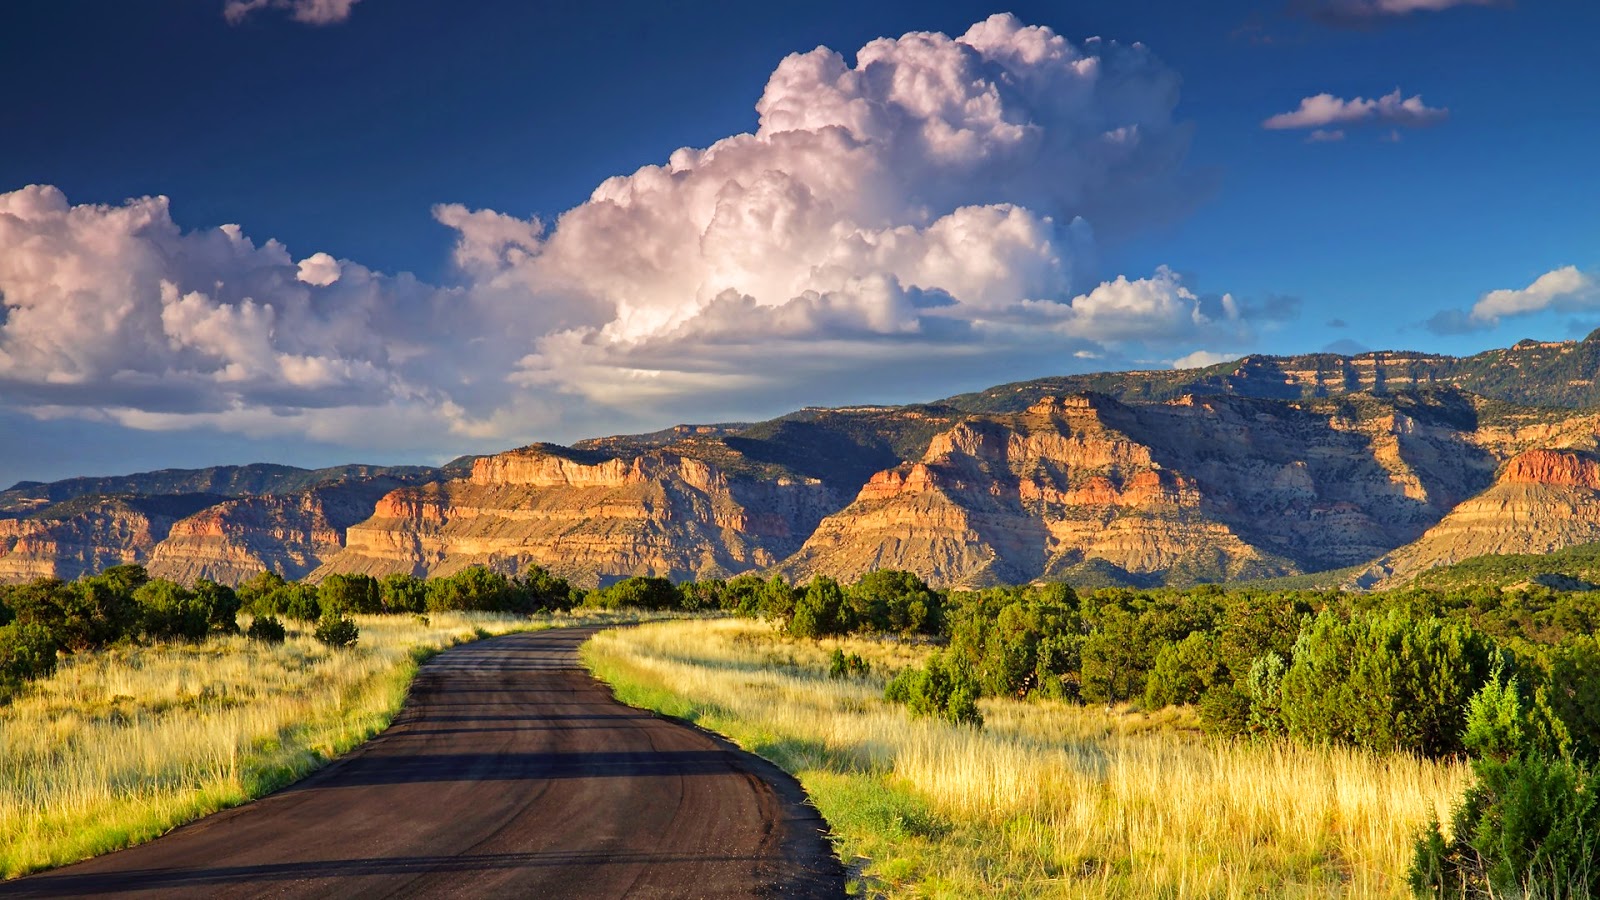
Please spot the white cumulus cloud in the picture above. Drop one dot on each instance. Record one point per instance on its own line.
(915, 221)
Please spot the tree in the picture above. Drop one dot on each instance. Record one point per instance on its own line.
(474, 588)
(637, 593)
(266, 629)
(544, 591)
(170, 611)
(890, 601)
(821, 610)
(221, 604)
(1385, 681)
(350, 594)
(27, 651)
(402, 592)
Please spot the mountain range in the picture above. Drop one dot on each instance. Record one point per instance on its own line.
(1382, 465)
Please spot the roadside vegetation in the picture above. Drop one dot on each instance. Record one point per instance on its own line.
(1028, 741)
(130, 705)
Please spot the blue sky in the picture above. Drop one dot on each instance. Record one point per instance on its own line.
(138, 336)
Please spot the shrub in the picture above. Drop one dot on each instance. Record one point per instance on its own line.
(297, 601)
(821, 610)
(342, 594)
(266, 629)
(1385, 681)
(637, 593)
(1020, 643)
(474, 588)
(27, 651)
(1574, 693)
(841, 665)
(889, 601)
(1530, 827)
(337, 631)
(1184, 671)
(170, 611)
(543, 591)
(401, 593)
(939, 690)
(221, 605)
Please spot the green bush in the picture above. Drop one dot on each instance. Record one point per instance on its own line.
(27, 651)
(940, 690)
(341, 594)
(822, 610)
(637, 593)
(889, 601)
(543, 591)
(337, 631)
(221, 605)
(266, 629)
(1385, 681)
(852, 665)
(403, 593)
(169, 611)
(1574, 693)
(1019, 643)
(1184, 672)
(1530, 827)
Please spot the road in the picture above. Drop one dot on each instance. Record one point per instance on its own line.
(510, 773)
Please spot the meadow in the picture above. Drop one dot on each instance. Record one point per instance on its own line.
(122, 744)
(1048, 798)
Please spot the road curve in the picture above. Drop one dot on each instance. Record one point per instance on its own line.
(510, 773)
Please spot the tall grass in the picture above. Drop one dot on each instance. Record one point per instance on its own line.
(1047, 799)
(122, 745)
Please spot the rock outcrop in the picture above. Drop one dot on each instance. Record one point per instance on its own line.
(1018, 498)
(1543, 500)
(288, 534)
(88, 536)
(590, 519)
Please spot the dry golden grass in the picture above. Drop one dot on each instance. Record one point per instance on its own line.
(122, 745)
(1048, 799)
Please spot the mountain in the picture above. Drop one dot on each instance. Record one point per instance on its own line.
(1542, 501)
(1386, 464)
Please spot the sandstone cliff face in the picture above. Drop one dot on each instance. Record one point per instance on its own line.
(1018, 498)
(592, 521)
(290, 534)
(87, 537)
(1543, 500)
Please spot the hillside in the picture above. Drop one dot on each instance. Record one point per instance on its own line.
(1387, 464)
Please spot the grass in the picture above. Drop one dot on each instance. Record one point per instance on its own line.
(1047, 799)
(122, 745)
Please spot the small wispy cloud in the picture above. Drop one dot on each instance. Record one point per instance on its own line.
(1369, 12)
(308, 12)
(1325, 113)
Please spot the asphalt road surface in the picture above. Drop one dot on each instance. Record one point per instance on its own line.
(510, 773)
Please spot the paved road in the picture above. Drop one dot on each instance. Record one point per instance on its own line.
(510, 773)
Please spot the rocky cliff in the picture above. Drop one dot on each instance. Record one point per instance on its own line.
(1543, 500)
(291, 534)
(87, 535)
(589, 518)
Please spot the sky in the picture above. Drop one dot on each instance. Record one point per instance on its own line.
(397, 231)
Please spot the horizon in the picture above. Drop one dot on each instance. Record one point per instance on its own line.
(438, 255)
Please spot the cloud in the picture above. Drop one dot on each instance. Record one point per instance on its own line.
(308, 12)
(906, 225)
(1366, 12)
(1567, 289)
(1324, 110)
(1200, 359)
